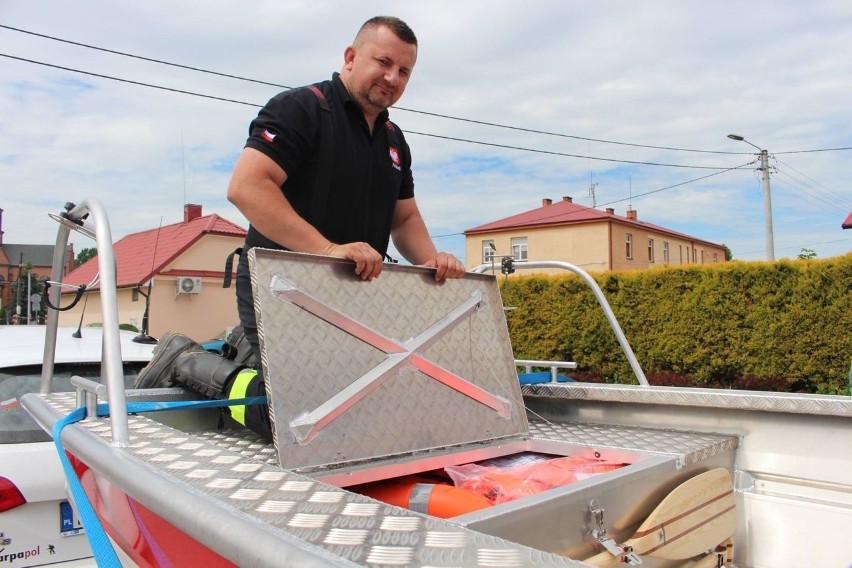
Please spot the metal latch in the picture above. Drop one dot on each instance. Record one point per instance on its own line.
(624, 553)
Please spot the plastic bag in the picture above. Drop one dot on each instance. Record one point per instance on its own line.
(507, 481)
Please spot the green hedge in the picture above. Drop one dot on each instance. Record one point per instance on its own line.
(780, 326)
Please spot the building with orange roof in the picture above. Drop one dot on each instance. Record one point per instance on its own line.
(592, 239)
(179, 267)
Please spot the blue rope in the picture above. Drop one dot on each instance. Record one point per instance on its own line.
(104, 553)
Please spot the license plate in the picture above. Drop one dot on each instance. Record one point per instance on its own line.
(69, 523)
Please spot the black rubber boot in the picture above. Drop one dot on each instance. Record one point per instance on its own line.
(160, 372)
(237, 348)
(206, 373)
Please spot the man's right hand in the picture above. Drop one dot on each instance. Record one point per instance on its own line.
(368, 262)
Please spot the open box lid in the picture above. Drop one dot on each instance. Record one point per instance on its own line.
(361, 370)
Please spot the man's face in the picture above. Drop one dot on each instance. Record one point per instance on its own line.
(377, 68)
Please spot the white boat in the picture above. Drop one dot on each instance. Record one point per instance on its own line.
(401, 378)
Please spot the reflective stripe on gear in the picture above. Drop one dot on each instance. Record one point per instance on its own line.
(238, 390)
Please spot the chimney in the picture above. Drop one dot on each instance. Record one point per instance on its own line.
(631, 214)
(70, 260)
(545, 202)
(568, 199)
(610, 210)
(191, 211)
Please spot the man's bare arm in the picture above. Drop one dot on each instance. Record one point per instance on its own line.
(255, 189)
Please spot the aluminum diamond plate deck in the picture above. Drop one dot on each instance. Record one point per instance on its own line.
(825, 405)
(342, 524)
(686, 447)
(358, 370)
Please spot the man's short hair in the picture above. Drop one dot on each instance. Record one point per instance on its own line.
(397, 26)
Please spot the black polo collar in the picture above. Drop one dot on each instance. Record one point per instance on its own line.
(346, 99)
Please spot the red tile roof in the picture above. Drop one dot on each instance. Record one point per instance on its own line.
(135, 254)
(567, 213)
(558, 213)
(847, 224)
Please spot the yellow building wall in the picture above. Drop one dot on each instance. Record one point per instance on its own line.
(583, 245)
(648, 255)
(200, 316)
(595, 247)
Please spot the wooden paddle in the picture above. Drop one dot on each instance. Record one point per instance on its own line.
(696, 516)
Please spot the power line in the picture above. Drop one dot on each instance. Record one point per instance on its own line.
(815, 193)
(138, 83)
(614, 201)
(152, 60)
(818, 187)
(563, 154)
(817, 150)
(794, 246)
(656, 190)
(185, 92)
(426, 113)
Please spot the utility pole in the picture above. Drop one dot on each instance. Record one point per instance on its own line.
(767, 198)
(767, 206)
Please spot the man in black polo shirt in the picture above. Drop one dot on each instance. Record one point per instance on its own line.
(370, 197)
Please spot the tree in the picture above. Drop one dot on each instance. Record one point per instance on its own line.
(807, 254)
(27, 286)
(85, 255)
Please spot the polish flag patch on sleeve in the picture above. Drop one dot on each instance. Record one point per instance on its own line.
(268, 136)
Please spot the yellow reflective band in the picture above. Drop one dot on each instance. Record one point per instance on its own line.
(238, 390)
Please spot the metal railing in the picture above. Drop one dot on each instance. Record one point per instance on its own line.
(76, 217)
(552, 366)
(610, 316)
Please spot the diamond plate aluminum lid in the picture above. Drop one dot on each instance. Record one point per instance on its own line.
(361, 370)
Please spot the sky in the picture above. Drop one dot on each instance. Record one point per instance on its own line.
(615, 103)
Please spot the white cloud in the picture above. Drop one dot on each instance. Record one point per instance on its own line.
(670, 73)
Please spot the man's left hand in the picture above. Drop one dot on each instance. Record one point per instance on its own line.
(446, 266)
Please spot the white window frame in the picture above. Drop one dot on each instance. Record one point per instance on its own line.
(650, 250)
(665, 252)
(628, 242)
(520, 250)
(489, 251)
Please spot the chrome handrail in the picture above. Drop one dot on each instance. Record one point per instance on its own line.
(112, 371)
(610, 316)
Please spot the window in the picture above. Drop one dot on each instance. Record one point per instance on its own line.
(715, 257)
(519, 248)
(489, 251)
(665, 252)
(650, 250)
(628, 242)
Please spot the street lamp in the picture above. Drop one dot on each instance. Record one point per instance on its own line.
(767, 198)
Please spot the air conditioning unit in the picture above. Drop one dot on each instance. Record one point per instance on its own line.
(188, 285)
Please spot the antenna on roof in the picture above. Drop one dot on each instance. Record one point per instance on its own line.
(592, 184)
(183, 166)
(143, 336)
(630, 201)
(79, 333)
